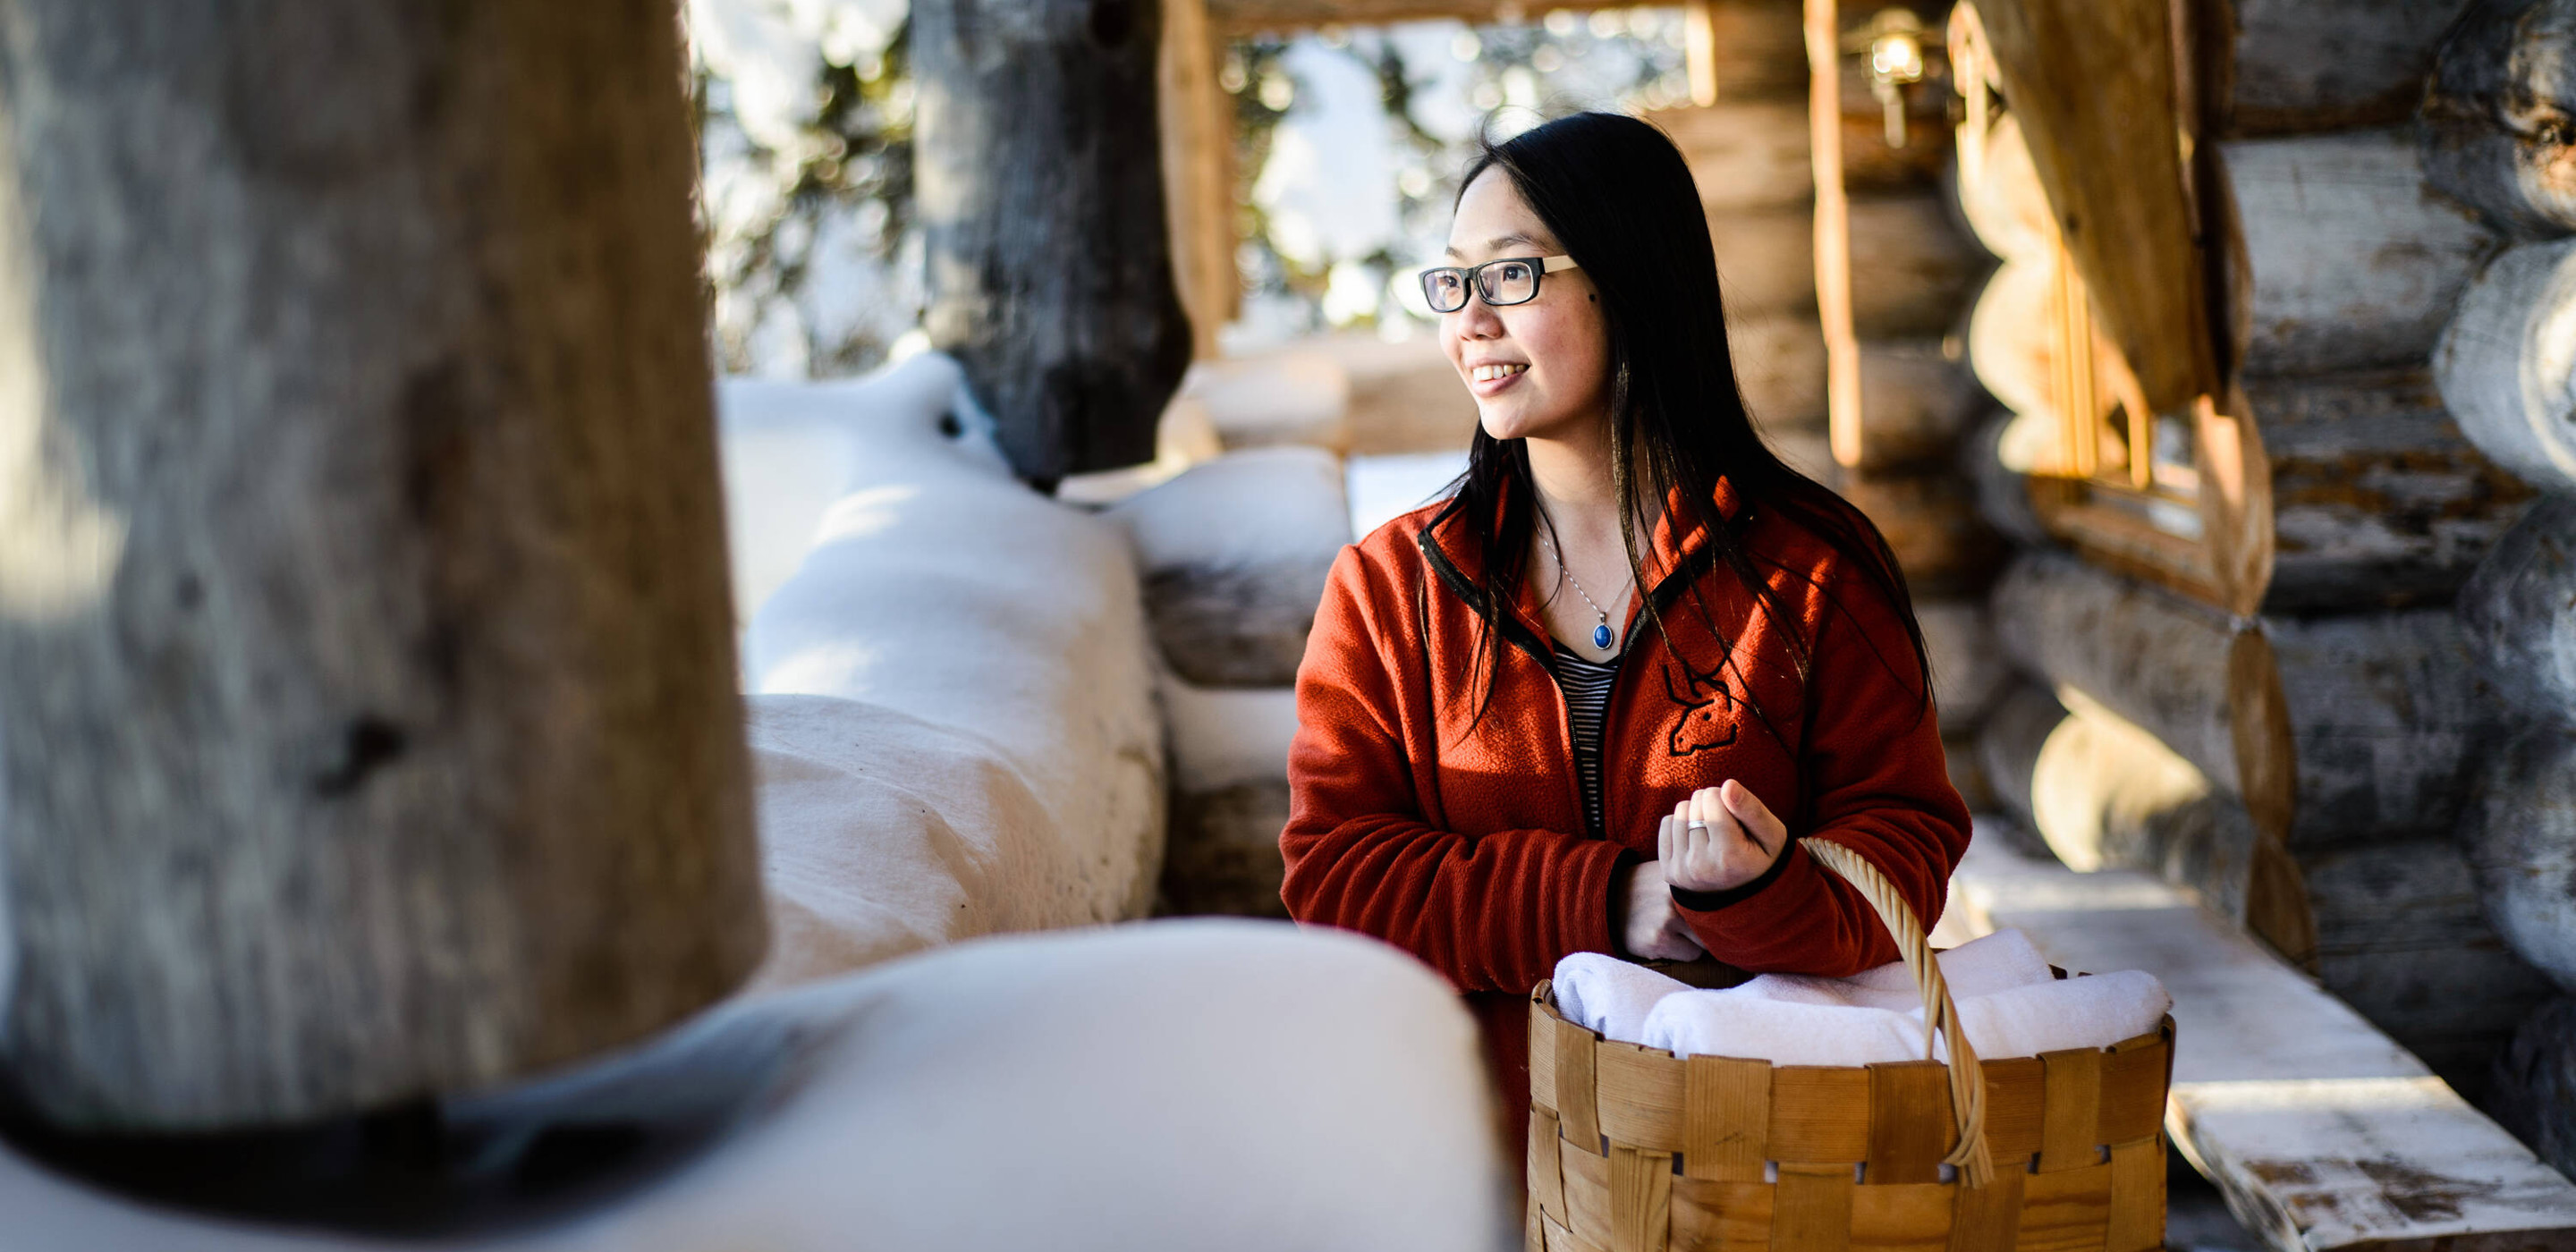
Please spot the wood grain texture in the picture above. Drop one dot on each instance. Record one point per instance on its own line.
(1832, 230)
(2499, 128)
(1042, 206)
(2378, 500)
(363, 618)
(2354, 263)
(2514, 609)
(2099, 115)
(2501, 371)
(1197, 127)
(2307, 65)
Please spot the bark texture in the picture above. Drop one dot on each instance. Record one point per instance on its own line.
(1042, 204)
(2517, 611)
(372, 726)
(2500, 115)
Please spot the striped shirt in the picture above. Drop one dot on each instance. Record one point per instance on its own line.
(1587, 707)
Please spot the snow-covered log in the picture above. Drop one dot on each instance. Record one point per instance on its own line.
(987, 638)
(2507, 364)
(2516, 610)
(1234, 554)
(2496, 116)
(1200, 1084)
(2331, 730)
(2355, 261)
(2378, 501)
(1298, 396)
(1229, 797)
(1042, 207)
(372, 721)
(2520, 834)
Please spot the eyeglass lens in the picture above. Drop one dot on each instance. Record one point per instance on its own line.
(1500, 282)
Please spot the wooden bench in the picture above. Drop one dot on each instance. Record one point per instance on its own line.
(2321, 1132)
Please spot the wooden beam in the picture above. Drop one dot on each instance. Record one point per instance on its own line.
(373, 728)
(1198, 173)
(1833, 230)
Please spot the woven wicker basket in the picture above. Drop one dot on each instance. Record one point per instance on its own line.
(1632, 1149)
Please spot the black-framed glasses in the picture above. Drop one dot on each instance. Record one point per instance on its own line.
(1509, 280)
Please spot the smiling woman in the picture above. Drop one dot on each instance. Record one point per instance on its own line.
(1588, 702)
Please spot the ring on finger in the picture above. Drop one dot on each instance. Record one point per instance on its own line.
(1696, 824)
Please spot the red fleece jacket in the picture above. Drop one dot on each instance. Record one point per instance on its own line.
(1464, 840)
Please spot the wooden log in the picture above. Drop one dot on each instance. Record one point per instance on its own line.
(2515, 612)
(2378, 501)
(1229, 798)
(2534, 1092)
(1042, 207)
(2331, 730)
(1766, 262)
(364, 638)
(2502, 367)
(2314, 65)
(1915, 403)
(1912, 268)
(1744, 155)
(1992, 459)
(2353, 265)
(2013, 340)
(1780, 367)
(1969, 673)
(2402, 937)
(2497, 132)
(2003, 200)
(1931, 523)
(2105, 794)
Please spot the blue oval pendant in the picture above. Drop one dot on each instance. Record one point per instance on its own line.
(1601, 636)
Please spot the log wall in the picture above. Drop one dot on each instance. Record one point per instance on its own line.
(2339, 717)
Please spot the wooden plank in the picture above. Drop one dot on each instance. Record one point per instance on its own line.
(2323, 1133)
(2098, 111)
(1832, 230)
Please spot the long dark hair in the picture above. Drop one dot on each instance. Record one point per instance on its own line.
(1620, 200)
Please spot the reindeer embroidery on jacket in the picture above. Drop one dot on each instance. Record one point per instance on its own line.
(1708, 712)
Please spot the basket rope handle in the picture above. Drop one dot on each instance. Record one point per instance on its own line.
(1967, 1077)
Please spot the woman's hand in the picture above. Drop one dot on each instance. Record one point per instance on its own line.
(1655, 932)
(1736, 839)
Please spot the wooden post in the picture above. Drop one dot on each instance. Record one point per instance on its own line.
(1198, 173)
(1042, 203)
(1833, 229)
(369, 688)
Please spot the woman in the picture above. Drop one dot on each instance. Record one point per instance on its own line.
(1589, 702)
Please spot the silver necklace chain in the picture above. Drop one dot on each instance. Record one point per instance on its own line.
(1565, 574)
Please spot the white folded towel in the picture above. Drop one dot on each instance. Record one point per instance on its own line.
(1979, 967)
(2093, 1012)
(1997, 962)
(1783, 1032)
(1609, 995)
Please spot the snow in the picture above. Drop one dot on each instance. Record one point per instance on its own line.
(1383, 488)
(1169, 1085)
(1292, 396)
(950, 699)
(1227, 736)
(1259, 507)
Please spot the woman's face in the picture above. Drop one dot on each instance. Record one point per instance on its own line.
(1540, 369)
